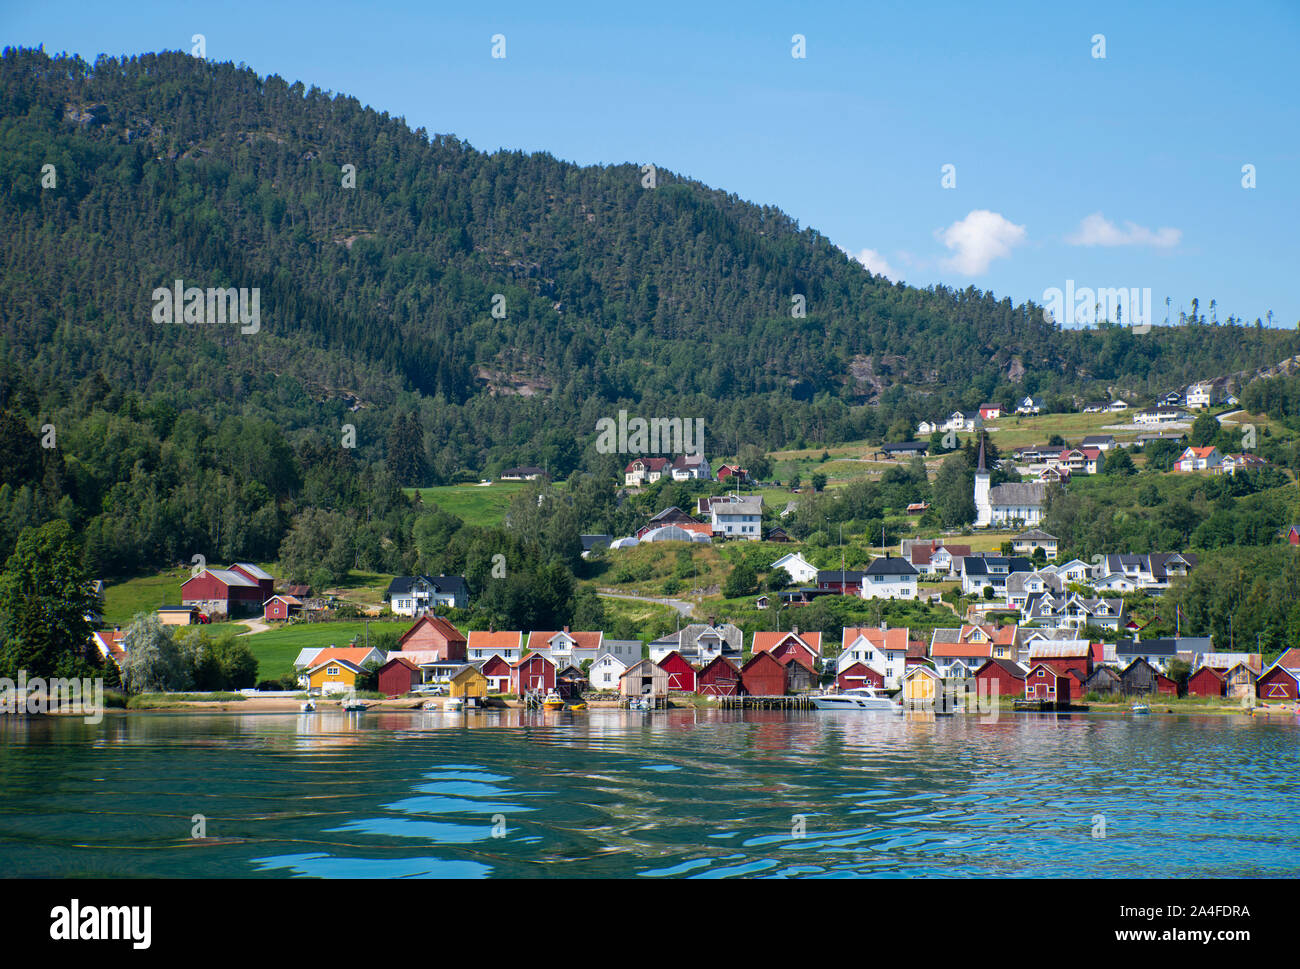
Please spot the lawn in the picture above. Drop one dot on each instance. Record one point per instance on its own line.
(481, 505)
(276, 649)
(123, 600)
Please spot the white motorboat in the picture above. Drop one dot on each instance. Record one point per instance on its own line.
(308, 707)
(859, 698)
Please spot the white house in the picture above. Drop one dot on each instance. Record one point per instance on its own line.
(1160, 415)
(1029, 405)
(1200, 396)
(1199, 459)
(411, 595)
(881, 648)
(742, 518)
(889, 578)
(605, 672)
(687, 467)
(799, 569)
(644, 471)
(483, 644)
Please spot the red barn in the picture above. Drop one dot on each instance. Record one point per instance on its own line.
(281, 607)
(1000, 677)
(265, 583)
(223, 591)
(497, 672)
(1044, 683)
(681, 674)
(858, 675)
(1166, 685)
(1278, 683)
(763, 675)
(533, 672)
(436, 634)
(398, 677)
(1205, 682)
(718, 678)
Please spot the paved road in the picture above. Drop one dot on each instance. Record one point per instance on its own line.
(682, 606)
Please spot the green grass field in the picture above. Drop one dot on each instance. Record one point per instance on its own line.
(275, 649)
(481, 505)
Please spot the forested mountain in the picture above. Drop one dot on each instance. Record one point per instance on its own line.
(376, 309)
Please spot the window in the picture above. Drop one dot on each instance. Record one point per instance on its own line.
(332, 671)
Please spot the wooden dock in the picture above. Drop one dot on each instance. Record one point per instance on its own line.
(765, 703)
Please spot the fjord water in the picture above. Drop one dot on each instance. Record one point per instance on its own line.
(673, 794)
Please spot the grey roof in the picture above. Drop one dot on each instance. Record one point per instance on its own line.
(448, 585)
(1018, 493)
(1159, 647)
(889, 565)
(748, 505)
(838, 575)
(1035, 535)
(730, 633)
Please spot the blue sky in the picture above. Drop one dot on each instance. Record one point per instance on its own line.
(1117, 172)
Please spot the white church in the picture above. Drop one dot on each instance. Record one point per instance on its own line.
(1017, 504)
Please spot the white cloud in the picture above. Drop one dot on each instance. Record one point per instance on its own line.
(1097, 230)
(876, 263)
(978, 239)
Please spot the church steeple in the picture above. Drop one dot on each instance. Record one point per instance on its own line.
(981, 464)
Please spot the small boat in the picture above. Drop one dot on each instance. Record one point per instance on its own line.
(577, 707)
(638, 703)
(552, 701)
(431, 705)
(353, 706)
(309, 707)
(858, 698)
(1140, 709)
(453, 703)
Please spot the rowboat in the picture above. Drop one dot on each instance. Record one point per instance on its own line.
(1140, 709)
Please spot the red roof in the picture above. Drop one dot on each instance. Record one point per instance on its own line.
(110, 644)
(582, 640)
(766, 641)
(961, 650)
(884, 639)
(1290, 660)
(650, 464)
(483, 639)
(495, 665)
(449, 632)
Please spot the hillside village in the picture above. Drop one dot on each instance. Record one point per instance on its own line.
(1045, 628)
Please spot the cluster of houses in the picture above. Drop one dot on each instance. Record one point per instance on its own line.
(726, 516)
(710, 659)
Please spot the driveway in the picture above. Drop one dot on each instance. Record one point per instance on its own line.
(681, 605)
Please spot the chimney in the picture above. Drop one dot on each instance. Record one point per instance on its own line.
(795, 630)
(566, 629)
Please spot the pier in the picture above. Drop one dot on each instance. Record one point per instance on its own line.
(765, 703)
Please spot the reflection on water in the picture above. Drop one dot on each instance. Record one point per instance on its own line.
(682, 793)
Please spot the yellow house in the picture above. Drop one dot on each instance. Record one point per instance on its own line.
(921, 687)
(333, 676)
(468, 681)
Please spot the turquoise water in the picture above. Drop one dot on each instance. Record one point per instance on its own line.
(678, 794)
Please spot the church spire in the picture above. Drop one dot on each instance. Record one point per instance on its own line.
(981, 467)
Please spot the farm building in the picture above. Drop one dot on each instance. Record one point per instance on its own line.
(681, 674)
(644, 679)
(858, 675)
(496, 670)
(434, 634)
(800, 677)
(1278, 683)
(1206, 681)
(763, 675)
(226, 592)
(533, 672)
(1000, 677)
(398, 677)
(468, 681)
(1104, 679)
(178, 615)
(719, 678)
(281, 608)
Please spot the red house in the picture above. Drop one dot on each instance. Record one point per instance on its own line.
(1063, 657)
(281, 607)
(858, 675)
(436, 634)
(398, 677)
(763, 675)
(718, 678)
(780, 645)
(1000, 677)
(681, 674)
(1205, 682)
(1166, 685)
(533, 672)
(1278, 683)
(497, 672)
(1044, 683)
(1293, 534)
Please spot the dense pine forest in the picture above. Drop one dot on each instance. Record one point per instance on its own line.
(380, 253)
